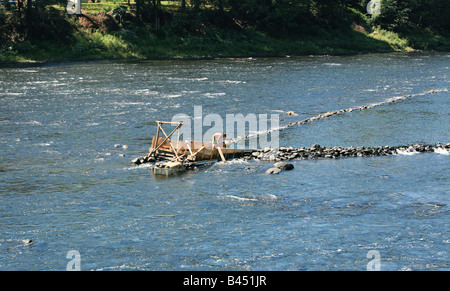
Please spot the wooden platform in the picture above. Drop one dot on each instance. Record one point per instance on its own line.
(169, 169)
(203, 150)
(174, 168)
(178, 156)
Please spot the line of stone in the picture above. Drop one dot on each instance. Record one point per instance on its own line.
(318, 152)
(331, 113)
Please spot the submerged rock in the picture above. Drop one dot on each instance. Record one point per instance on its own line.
(138, 161)
(288, 167)
(280, 165)
(315, 146)
(27, 242)
(284, 166)
(273, 171)
(255, 154)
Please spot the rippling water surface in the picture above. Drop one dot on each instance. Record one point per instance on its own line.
(65, 186)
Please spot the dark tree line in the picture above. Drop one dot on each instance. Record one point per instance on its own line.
(280, 17)
(403, 16)
(31, 19)
(275, 17)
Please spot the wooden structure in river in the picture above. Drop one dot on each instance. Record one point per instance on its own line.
(177, 155)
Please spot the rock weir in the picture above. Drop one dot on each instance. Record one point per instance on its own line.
(341, 111)
(319, 152)
(316, 151)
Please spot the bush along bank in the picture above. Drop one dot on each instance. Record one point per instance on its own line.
(234, 28)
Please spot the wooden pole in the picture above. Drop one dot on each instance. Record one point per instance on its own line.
(193, 155)
(221, 155)
(167, 136)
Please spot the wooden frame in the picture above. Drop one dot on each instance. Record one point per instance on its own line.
(155, 145)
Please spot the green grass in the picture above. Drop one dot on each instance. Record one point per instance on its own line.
(428, 41)
(95, 8)
(392, 38)
(142, 44)
(108, 5)
(413, 41)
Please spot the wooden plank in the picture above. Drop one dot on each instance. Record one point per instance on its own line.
(221, 155)
(193, 155)
(169, 122)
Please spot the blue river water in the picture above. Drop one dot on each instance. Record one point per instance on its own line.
(65, 186)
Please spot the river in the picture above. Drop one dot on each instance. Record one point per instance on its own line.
(65, 186)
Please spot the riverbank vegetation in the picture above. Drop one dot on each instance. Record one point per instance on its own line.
(42, 30)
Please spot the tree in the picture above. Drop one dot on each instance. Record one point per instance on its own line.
(196, 4)
(331, 13)
(29, 19)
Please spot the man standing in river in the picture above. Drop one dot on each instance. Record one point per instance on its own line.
(217, 140)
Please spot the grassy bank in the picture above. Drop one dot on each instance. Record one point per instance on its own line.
(140, 43)
(112, 34)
